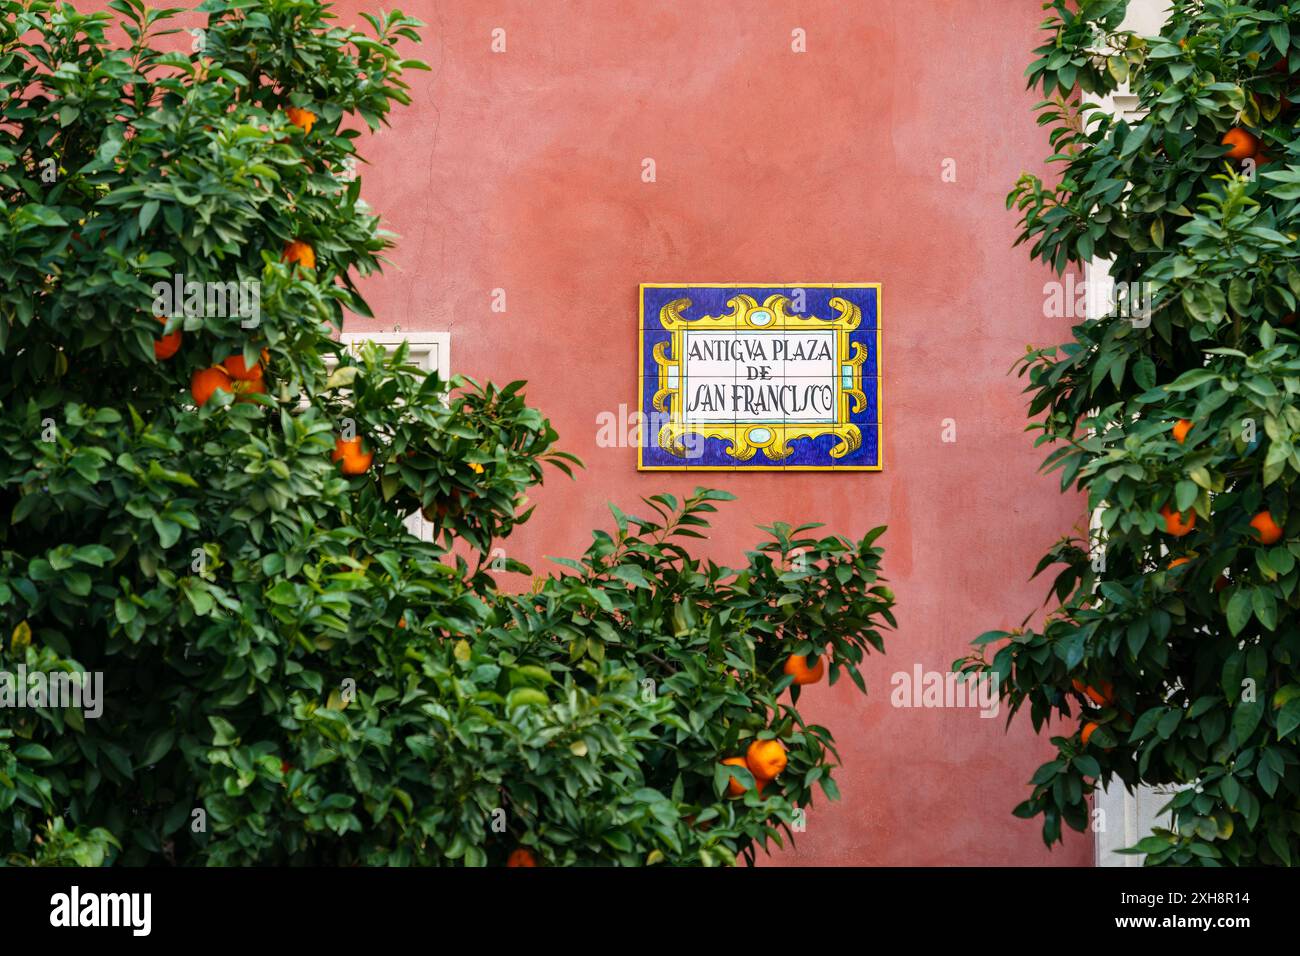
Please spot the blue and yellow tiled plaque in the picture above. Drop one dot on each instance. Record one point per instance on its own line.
(756, 377)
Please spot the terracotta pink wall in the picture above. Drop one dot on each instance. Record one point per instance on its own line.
(522, 171)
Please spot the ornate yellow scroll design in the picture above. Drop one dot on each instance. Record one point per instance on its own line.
(773, 438)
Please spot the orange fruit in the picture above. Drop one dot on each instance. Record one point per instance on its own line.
(301, 253)
(1176, 524)
(168, 345)
(205, 382)
(1088, 728)
(1099, 697)
(1181, 428)
(300, 117)
(734, 787)
(238, 369)
(248, 386)
(355, 460)
(797, 665)
(765, 759)
(521, 856)
(1265, 529)
(1242, 143)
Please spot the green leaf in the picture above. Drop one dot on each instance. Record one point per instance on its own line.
(147, 213)
(21, 636)
(160, 743)
(1280, 34)
(633, 575)
(342, 377)
(1289, 718)
(1192, 379)
(1133, 142)
(33, 752)
(829, 787)
(94, 554)
(1245, 719)
(197, 594)
(1230, 790)
(1265, 605)
(1239, 611)
(223, 732)
(1239, 295)
(527, 697)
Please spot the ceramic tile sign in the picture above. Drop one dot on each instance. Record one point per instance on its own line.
(754, 377)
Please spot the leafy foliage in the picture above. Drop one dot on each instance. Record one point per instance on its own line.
(289, 675)
(1201, 653)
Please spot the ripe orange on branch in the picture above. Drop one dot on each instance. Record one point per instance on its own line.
(301, 253)
(238, 369)
(765, 759)
(206, 382)
(1088, 728)
(522, 856)
(1175, 522)
(248, 386)
(164, 347)
(300, 117)
(797, 665)
(1181, 428)
(1102, 697)
(734, 787)
(353, 458)
(1242, 143)
(1265, 529)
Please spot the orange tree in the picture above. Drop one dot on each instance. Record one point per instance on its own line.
(204, 509)
(1171, 654)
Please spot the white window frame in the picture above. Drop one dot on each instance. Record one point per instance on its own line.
(431, 351)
